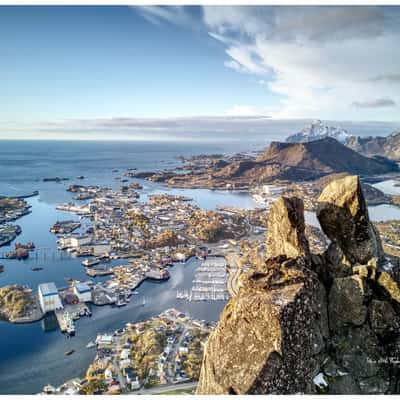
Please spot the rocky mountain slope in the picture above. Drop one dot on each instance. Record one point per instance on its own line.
(288, 161)
(302, 161)
(388, 146)
(317, 131)
(306, 323)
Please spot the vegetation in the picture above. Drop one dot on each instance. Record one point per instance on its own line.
(12, 203)
(93, 386)
(148, 347)
(178, 391)
(193, 360)
(14, 301)
(138, 219)
(208, 226)
(94, 378)
(168, 237)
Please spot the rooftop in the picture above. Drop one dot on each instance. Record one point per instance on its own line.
(47, 289)
(82, 287)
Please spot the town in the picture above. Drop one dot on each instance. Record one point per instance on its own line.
(147, 357)
(147, 237)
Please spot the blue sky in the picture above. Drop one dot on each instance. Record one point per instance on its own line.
(89, 62)
(81, 69)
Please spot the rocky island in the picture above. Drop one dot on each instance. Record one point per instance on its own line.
(16, 303)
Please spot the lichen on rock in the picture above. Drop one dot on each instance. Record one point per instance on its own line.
(306, 323)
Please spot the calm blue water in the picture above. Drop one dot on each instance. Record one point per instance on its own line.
(29, 357)
(23, 164)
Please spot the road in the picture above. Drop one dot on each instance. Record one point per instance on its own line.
(172, 356)
(166, 388)
(116, 351)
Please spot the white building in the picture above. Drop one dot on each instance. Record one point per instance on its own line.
(124, 354)
(99, 249)
(83, 292)
(272, 190)
(74, 241)
(49, 298)
(102, 340)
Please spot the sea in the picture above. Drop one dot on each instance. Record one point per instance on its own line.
(32, 355)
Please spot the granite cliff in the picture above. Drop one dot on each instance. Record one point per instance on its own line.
(306, 323)
(383, 146)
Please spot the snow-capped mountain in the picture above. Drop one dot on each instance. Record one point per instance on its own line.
(318, 131)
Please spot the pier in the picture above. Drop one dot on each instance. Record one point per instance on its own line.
(69, 314)
(209, 283)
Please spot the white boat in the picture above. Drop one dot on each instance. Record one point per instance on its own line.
(90, 263)
(90, 345)
(144, 302)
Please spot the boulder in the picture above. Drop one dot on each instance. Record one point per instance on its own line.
(263, 341)
(343, 215)
(347, 299)
(343, 385)
(336, 264)
(356, 350)
(382, 317)
(286, 229)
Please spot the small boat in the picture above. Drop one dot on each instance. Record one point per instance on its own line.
(36, 268)
(69, 352)
(121, 303)
(143, 302)
(90, 345)
(75, 316)
(90, 263)
(135, 292)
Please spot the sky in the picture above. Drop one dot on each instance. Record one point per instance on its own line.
(151, 71)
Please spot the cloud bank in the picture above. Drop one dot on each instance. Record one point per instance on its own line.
(256, 130)
(320, 60)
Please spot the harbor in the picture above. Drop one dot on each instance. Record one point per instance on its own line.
(209, 283)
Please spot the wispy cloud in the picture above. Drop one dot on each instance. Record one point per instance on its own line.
(318, 59)
(389, 78)
(176, 15)
(375, 103)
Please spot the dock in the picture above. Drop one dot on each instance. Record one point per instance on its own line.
(70, 313)
(209, 283)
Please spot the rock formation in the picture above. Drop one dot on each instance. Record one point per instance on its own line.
(305, 323)
(288, 227)
(383, 146)
(343, 215)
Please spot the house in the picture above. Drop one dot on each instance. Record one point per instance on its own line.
(132, 378)
(114, 387)
(108, 374)
(83, 292)
(125, 363)
(102, 340)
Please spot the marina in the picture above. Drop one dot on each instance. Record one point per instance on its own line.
(209, 283)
